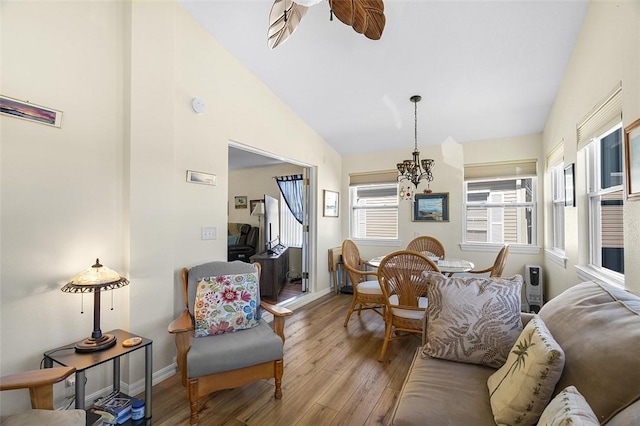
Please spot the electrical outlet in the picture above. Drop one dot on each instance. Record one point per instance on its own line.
(70, 382)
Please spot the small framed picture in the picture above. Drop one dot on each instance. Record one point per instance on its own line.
(431, 207)
(569, 186)
(632, 160)
(25, 110)
(241, 201)
(201, 178)
(253, 204)
(331, 203)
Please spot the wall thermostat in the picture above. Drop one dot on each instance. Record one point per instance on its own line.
(197, 105)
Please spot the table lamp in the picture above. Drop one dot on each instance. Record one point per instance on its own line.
(258, 211)
(95, 279)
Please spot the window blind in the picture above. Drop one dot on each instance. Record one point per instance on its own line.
(500, 170)
(606, 114)
(372, 178)
(555, 156)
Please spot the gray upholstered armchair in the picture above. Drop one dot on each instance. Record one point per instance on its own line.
(226, 359)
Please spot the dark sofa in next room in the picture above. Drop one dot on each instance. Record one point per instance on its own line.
(242, 241)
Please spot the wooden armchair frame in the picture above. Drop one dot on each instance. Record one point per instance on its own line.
(197, 387)
(39, 382)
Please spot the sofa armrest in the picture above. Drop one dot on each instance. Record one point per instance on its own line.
(526, 317)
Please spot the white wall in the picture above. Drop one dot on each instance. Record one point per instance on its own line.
(607, 52)
(111, 181)
(450, 159)
(254, 183)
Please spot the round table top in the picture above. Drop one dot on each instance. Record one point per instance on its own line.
(446, 266)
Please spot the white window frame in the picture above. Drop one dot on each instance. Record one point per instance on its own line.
(353, 208)
(531, 248)
(593, 269)
(558, 204)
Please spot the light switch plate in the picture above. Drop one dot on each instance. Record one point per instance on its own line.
(209, 233)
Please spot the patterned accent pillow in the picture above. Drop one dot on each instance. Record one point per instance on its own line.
(568, 408)
(472, 319)
(522, 387)
(225, 304)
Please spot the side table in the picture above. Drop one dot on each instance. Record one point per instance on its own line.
(68, 357)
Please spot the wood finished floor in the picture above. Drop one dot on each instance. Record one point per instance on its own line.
(331, 376)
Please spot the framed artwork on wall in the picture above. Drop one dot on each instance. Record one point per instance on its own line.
(25, 110)
(569, 186)
(201, 178)
(632, 160)
(241, 201)
(331, 203)
(432, 207)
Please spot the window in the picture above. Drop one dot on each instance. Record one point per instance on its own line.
(605, 194)
(557, 200)
(500, 203)
(374, 211)
(290, 228)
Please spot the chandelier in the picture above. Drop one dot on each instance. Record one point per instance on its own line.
(415, 170)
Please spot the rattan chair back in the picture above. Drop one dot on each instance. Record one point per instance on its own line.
(401, 273)
(429, 246)
(352, 261)
(501, 260)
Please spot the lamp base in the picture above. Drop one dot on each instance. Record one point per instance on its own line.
(93, 345)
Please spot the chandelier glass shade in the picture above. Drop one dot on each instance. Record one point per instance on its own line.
(415, 170)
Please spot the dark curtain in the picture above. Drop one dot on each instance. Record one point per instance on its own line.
(291, 189)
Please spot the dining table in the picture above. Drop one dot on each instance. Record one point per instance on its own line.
(447, 266)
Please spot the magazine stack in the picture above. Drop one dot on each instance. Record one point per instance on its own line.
(114, 408)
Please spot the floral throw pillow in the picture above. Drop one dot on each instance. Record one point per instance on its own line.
(520, 390)
(225, 303)
(472, 319)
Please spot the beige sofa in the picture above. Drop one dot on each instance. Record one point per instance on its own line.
(598, 328)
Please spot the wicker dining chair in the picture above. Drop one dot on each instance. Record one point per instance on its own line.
(366, 292)
(403, 286)
(429, 246)
(497, 268)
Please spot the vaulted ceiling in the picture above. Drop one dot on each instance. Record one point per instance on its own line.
(485, 69)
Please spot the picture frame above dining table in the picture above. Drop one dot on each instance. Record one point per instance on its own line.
(431, 207)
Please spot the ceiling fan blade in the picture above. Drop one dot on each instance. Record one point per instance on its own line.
(284, 18)
(365, 16)
(375, 24)
(343, 10)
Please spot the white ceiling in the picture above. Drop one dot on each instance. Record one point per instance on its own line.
(485, 69)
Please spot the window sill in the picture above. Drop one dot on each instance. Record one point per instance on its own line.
(492, 247)
(378, 242)
(594, 273)
(557, 256)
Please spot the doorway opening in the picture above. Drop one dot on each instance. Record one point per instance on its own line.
(284, 260)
